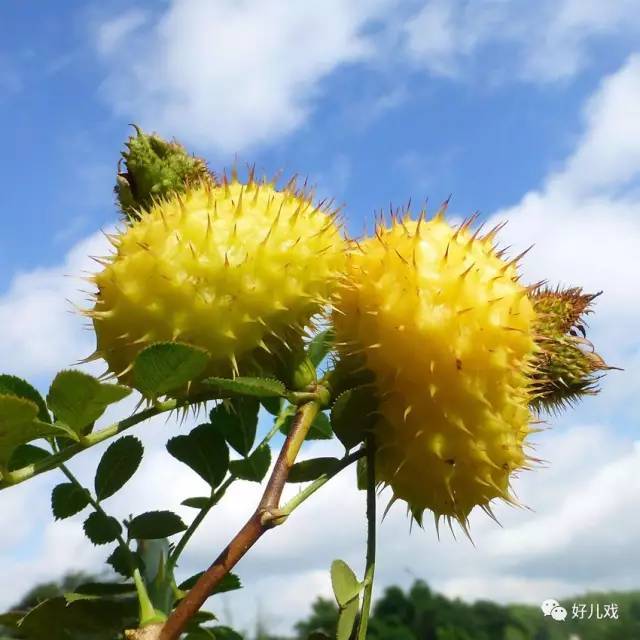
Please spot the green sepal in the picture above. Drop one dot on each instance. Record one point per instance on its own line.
(155, 169)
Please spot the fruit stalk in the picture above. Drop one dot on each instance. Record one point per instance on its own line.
(266, 516)
(371, 538)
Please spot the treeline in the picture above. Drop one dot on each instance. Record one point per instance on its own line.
(422, 614)
(415, 614)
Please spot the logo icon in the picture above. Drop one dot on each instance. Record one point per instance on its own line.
(551, 607)
(559, 614)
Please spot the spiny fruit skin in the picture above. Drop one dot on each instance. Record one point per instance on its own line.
(155, 168)
(446, 328)
(238, 269)
(566, 366)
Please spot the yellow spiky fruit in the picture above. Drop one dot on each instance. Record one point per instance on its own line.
(237, 269)
(446, 328)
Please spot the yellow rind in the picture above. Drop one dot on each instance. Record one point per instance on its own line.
(237, 269)
(446, 328)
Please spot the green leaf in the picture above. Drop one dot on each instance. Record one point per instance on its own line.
(308, 470)
(258, 387)
(237, 420)
(353, 414)
(345, 585)
(11, 619)
(272, 405)
(349, 373)
(19, 424)
(118, 463)
(25, 455)
(78, 399)
(14, 386)
(253, 468)
(72, 597)
(119, 561)
(195, 631)
(347, 619)
(167, 366)
(320, 428)
(230, 582)
(204, 450)
(66, 432)
(320, 346)
(197, 502)
(101, 529)
(202, 616)
(67, 499)
(155, 524)
(105, 588)
(225, 633)
(86, 619)
(199, 633)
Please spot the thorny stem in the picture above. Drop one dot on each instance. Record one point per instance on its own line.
(90, 440)
(218, 494)
(371, 538)
(265, 517)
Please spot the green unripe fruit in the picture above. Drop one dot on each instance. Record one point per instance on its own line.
(155, 168)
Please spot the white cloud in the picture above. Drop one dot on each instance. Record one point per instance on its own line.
(547, 40)
(585, 223)
(41, 330)
(112, 35)
(229, 75)
(585, 219)
(608, 155)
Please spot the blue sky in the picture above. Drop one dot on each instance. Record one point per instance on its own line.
(523, 111)
(480, 137)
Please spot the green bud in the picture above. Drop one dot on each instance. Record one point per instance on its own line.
(154, 168)
(304, 375)
(566, 366)
(157, 573)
